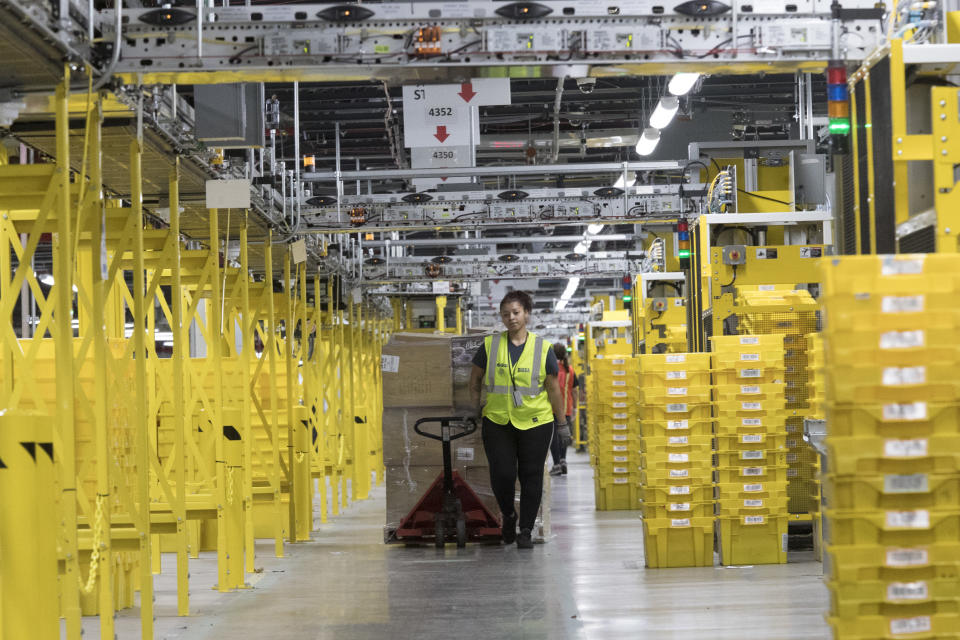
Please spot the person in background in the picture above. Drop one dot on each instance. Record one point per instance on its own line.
(568, 382)
(519, 372)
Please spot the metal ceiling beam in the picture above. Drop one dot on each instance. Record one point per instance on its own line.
(443, 242)
(532, 169)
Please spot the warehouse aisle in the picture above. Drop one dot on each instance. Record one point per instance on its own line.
(588, 582)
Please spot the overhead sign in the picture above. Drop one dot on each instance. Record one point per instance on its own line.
(441, 114)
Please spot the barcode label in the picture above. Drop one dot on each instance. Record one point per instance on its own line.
(619, 437)
(676, 391)
(680, 522)
(619, 394)
(753, 503)
(902, 339)
(678, 457)
(678, 440)
(680, 491)
(752, 422)
(679, 506)
(620, 470)
(676, 375)
(766, 287)
(620, 416)
(749, 388)
(619, 447)
(750, 357)
(679, 473)
(750, 438)
(620, 405)
(906, 483)
(754, 519)
(619, 383)
(621, 480)
(901, 376)
(751, 406)
(752, 471)
(620, 427)
(677, 408)
(907, 591)
(918, 624)
(618, 372)
(901, 304)
(749, 340)
(918, 519)
(752, 455)
(678, 424)
(751, 373)
(907, 557)
(916, 448)
(620, 458)
(907, 411)
(675, 358)
(618, 361)
(753, 488)
(896, 266)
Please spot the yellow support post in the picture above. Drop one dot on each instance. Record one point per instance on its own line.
(247, 361)
(320, 408)
(303, 450)
(270, 350)
(441, 324)
(408, 324)
(459, 311)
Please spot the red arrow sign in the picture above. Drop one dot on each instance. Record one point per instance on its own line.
(441, 133)
(467, 92)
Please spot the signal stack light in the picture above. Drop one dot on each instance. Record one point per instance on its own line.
(838, 106)
(683, 244)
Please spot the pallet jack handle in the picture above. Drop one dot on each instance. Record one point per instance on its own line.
(447, 435)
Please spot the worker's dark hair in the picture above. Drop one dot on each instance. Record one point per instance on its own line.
(518, 296)
(560, 351)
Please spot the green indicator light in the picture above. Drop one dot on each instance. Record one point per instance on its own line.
(683, 253)
(627, 298)
(839, 126)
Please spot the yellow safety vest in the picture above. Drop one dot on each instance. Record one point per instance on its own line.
(527, 377)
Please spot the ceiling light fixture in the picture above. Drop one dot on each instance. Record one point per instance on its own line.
(648, 141)
(664, 113)
(595, 229)
(581, 248)
(572, 285)
(681, 83)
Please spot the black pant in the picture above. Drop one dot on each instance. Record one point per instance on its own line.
(517, 453)
(557, 450)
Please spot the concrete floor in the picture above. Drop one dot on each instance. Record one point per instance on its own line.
(588, 582)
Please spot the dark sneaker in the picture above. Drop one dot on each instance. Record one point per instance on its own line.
(556, 470)
(563, 468)
(509, 528)
(524, 540)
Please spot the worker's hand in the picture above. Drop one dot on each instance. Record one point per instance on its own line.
(563, 431)
(473, 413)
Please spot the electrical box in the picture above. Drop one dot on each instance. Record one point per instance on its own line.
(229, 115)
(734, 254)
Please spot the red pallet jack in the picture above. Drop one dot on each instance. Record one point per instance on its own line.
(449, 510)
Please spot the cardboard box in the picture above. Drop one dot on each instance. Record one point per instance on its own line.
(404, 446)
(428, 370)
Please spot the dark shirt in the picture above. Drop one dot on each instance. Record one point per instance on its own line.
(515, 350)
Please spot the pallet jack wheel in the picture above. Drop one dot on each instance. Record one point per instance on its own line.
(441, 535)
(461, 533)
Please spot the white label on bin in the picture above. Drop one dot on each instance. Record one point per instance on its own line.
(618, 361)
(753, 455)
(680, 491)
(896, 266)
(678, 457)
(620, 470)
(749, 340)
(906, 411)
(619, 447)
(678, 440)
(620, 405)
(620, 458)
(906, 483)
(917, 519)
(678, 424)
(619, 394)
(620, 427)
(792, 457)
(752, 422)
(915, 448)
(618, 372)
(619, 437)
(676, 375)
(791, 428)
(750, 438)
(621, 480)
(749, 388)
(902, 339)
(752, 471)
(766, 287)
(901, 304)
(753, 503)
(679, 473)
(676, 391)
(465, 453)
(675, 358)
(918, 624)
(620, 416)
(901, 376)
(750, 357)
(751, 406)
(907, 591)
(680, 522)
(791, 443)
(751, 373)
(754, 519)
(679, 506)
(677, 408)
(619, 383)
(753, 488)
(907, 557)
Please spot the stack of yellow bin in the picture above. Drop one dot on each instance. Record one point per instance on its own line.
(677, 447)
(614, 431)
(816, 390)
(891, 521)
(751, 472)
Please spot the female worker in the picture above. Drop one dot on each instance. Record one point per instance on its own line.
(519, 372)
(568, 381)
